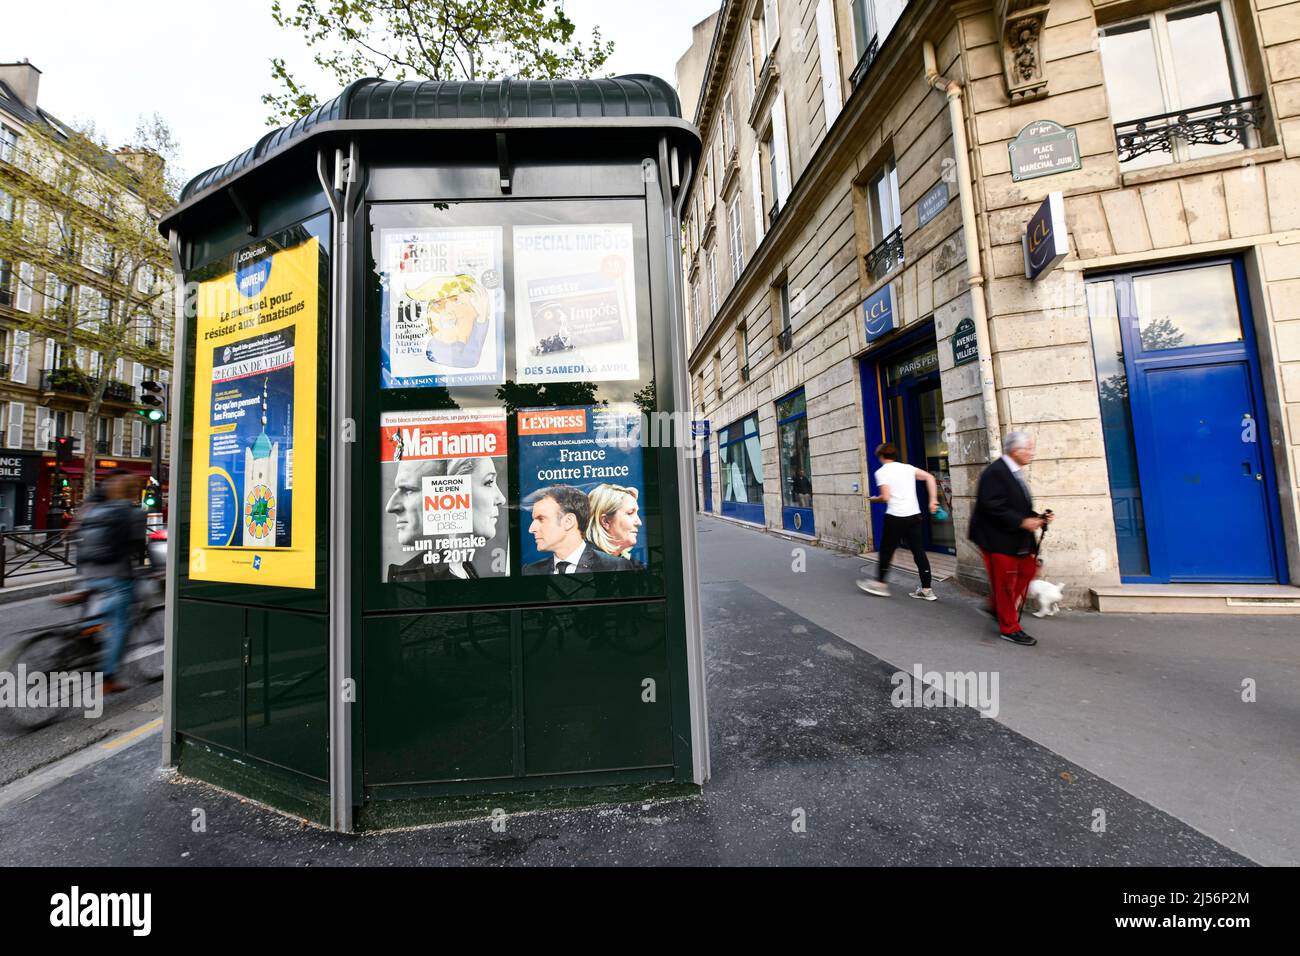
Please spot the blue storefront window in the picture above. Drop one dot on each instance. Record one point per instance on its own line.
(1117, 429)
(740, 465)
(796, 466)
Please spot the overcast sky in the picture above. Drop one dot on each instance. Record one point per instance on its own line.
(204, 65)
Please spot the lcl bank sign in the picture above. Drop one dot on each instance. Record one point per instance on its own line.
(878, 312)
(1045, 242)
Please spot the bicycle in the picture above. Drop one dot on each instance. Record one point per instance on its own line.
(76, 648)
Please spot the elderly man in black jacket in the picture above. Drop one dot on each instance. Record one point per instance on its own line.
(1003, 527)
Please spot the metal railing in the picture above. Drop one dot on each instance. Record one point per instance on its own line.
(1215, 124)
(744, 373)
(24, 553)
(887, 256)
(773, 214)
(864, 62)
(785, 339)
(69, 381)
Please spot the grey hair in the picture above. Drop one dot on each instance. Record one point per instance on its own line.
(1015, 440)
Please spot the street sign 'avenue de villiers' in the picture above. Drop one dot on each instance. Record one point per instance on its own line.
(1043, 148)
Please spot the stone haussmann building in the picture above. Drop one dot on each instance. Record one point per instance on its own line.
(933, 223)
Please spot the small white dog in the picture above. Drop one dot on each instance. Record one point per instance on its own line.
(1046, 595)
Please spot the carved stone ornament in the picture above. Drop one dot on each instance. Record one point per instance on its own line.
(1021, 23)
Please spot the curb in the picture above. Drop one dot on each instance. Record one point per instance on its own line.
(25, 592)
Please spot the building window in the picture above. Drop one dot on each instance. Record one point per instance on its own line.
(695, 308)
(742, 351)
(737, 240)
(26, 279)
(1176, 87)
(796, 463)
(6, 284)
(713, 282)
(864, 26)
(784, 336)
(886, 254)
(740, 460)
(728, 126)
(6, 208)
(8, 144)
(769, 179)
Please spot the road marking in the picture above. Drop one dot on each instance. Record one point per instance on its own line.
(41, 780)
(132, 734)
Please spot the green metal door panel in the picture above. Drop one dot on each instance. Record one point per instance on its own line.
(586, 700)
(286, 690)
(437, 698)
(209, 670)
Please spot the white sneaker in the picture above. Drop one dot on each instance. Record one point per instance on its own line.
(925, 594)
(878, 588)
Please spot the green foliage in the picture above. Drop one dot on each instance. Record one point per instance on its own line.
(429, 40)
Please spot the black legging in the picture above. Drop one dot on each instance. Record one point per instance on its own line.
(903, 531)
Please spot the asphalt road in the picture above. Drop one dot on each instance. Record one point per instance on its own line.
(22, 752)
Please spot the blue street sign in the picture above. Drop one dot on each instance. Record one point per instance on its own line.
(1045, 241)
(879, 313)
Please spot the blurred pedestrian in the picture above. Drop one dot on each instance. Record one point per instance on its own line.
(1003, 526)
(897, 483)
(110, 539)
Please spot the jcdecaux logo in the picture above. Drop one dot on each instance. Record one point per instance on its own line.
(252, 271)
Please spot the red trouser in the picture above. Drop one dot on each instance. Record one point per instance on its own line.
(1009, 577)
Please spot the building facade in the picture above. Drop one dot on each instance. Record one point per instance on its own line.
(857, 265)
(62, 332)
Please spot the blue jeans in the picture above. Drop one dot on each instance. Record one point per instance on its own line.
(112, 608)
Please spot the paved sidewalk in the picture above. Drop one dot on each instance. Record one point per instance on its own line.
(38, 584)
(1151, 703)
(802, 728)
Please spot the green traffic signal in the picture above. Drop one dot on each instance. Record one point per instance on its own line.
(152, 415)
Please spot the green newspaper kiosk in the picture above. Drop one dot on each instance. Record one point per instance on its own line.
(433, 548)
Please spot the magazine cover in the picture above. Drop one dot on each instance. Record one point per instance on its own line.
(582, 489)
(254, 419)
(443, 307)
(443, 475)
(575, 303)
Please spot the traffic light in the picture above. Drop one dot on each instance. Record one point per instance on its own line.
(60, 480)
(152, 397)
(152, 495)
(63, 449)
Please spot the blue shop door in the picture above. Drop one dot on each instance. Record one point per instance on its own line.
(1203, 447)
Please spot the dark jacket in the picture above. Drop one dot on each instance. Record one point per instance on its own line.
(129, 529)
(592, 560)
(1001, 503)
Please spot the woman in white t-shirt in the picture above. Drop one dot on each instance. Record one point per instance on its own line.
(897, 482)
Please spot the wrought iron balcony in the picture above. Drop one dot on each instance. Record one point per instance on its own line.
(744, 373)
(4, 370)
(785, 339)
(67, 381)
(101, 447)
(773, 214)
(146, 451)
(1216, 124)
(864, 62)
(887, 256)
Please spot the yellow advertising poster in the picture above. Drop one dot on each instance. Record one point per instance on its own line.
(253, 511)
